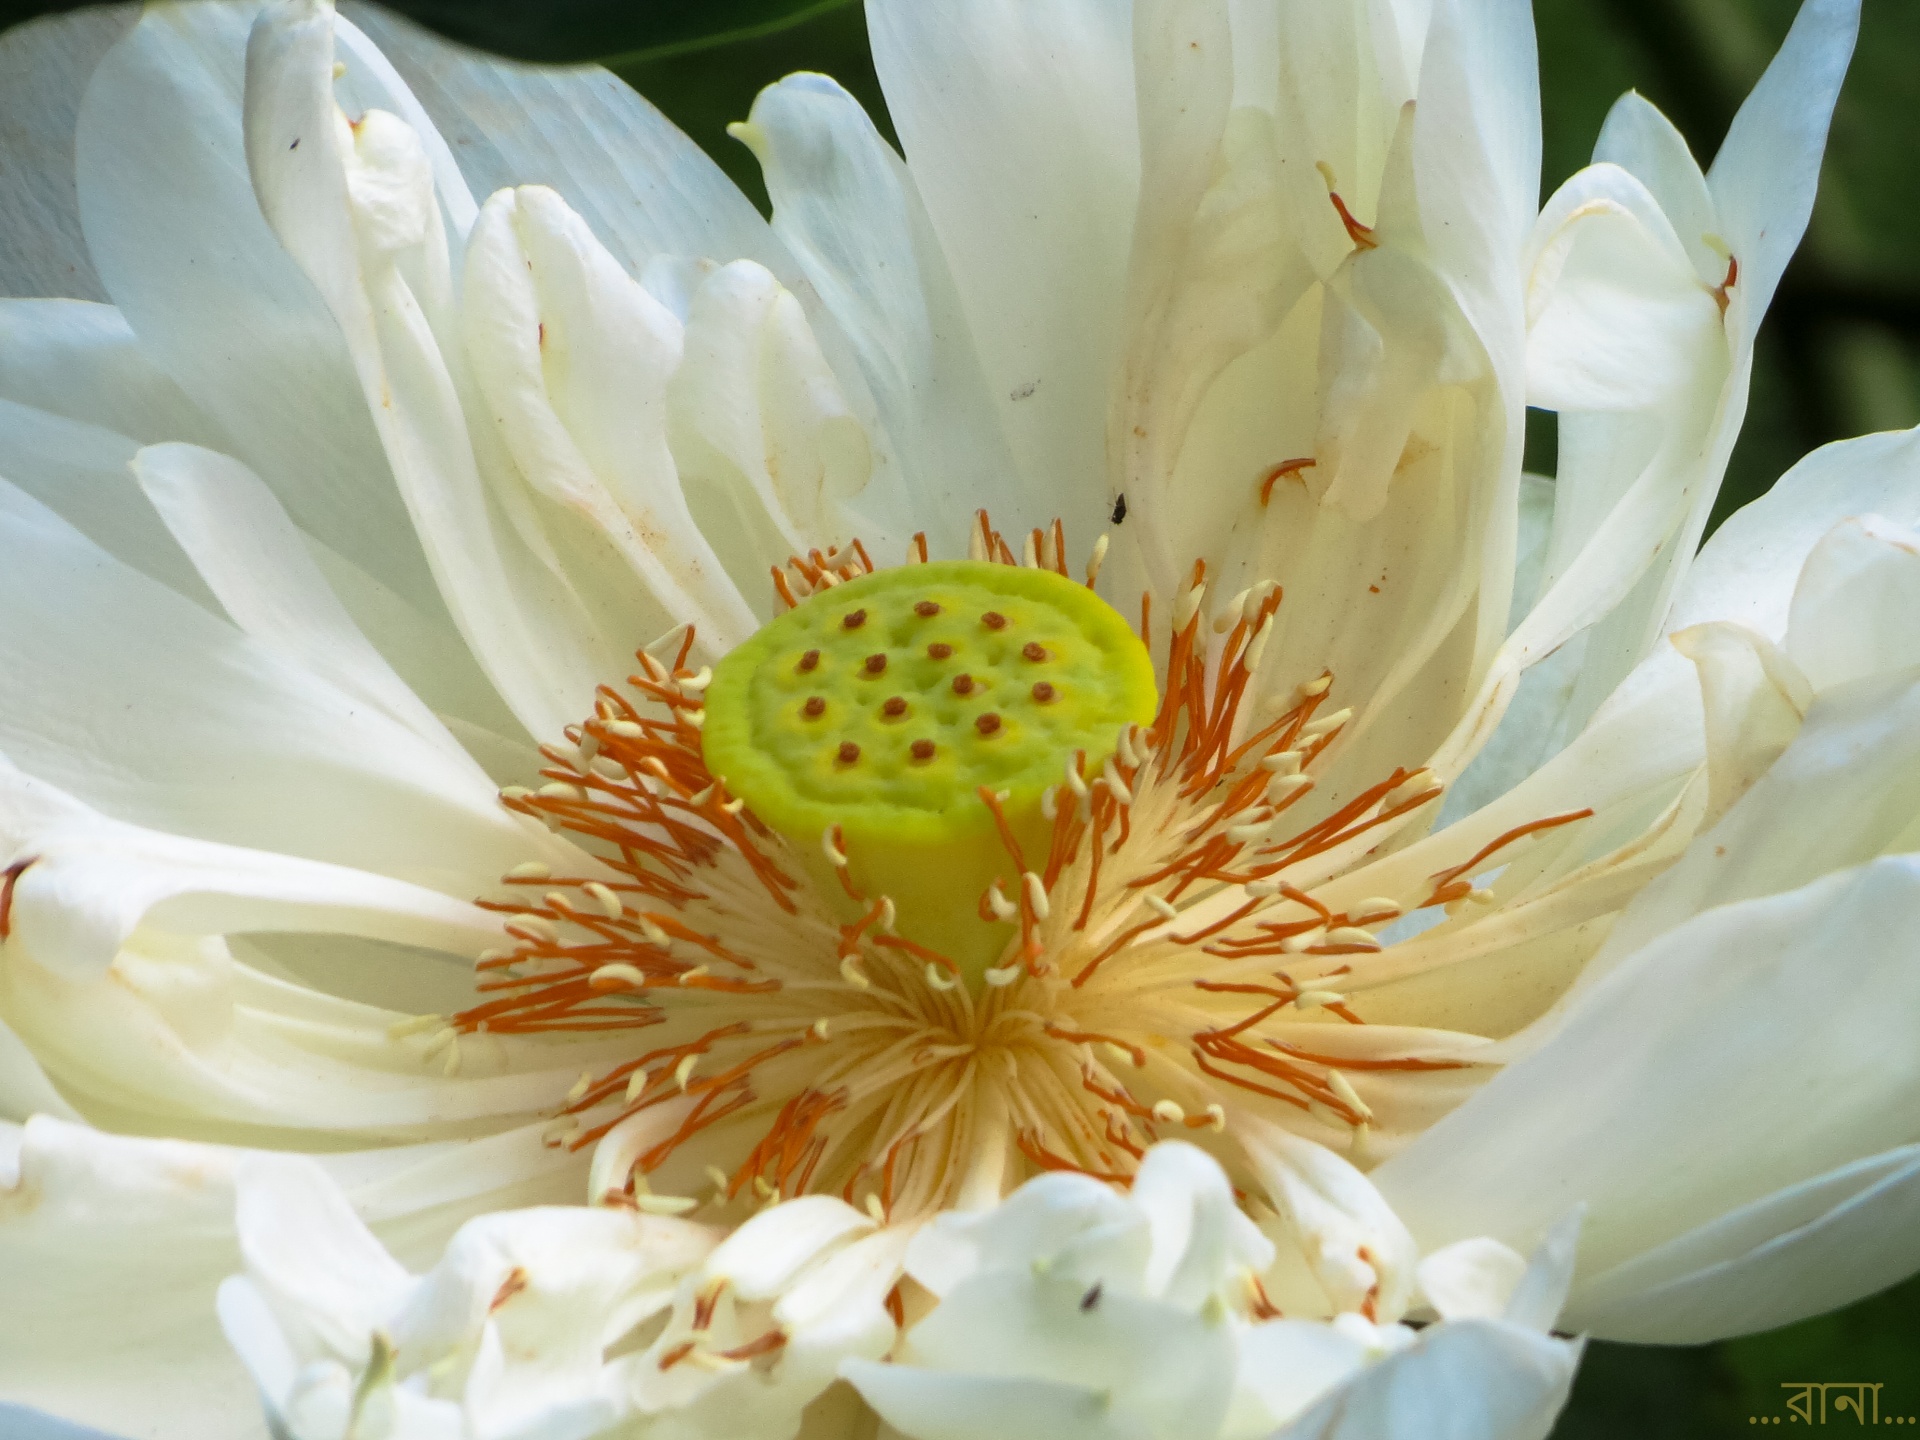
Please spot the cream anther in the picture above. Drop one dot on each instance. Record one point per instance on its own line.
(1343, 1087)
(830, 845)
(1351, 935)
(693, 684)
(1161, 908)
(605, 898)
(636, 1085)
(620, 974)
(561, 790)
(531, 870)
(851, 972)
(1373, 910)
(626, 729)
(1036, 895)
(1309, 689)
(1257, 647)
(1283, 762)
(683, 1072)
(1168, 1113)
(1003, 908)
(664, 1204)
(939, 979)
(1326, 725)
(401, 1029)
(580, 1086)
(533, 927)
(1283, 788)
(1314, 999)
(1187, 606)
(1294, 944)
(1004, 976)
(1110, 773)
(1096, 559)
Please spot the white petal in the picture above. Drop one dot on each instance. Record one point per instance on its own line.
(1471, 1278)
(1201, 1240)
(767, 446)
(138, 702)
(43, 70)
(79, 472)
(1808, 1248)
(1164, 1371)
(1757, 1045)
(1644, 143)
(1358, 1249)
(1764, 176)
(90, 1223)
(338, 202)
(640, 185)
(1617, 317)
(1018, 122)
(573, 356)
(851, 215)
(82, 360)
(249, 553)
(1472, 1380)
(764, 1256)
(1748, 570)
(1755, 699)
(89, 881)
(930, 1405)
(1062, 1222)
(218, 305)
(1848, 617)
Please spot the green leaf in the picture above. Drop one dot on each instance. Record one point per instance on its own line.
(615, 31)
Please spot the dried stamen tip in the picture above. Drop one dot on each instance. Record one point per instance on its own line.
(895, 707)
(922, 750)
(926, 609)
(963, 684)
(808, 661)
(994, 620)
(1043, 692)
(814, 708)
(1034, 650)
(987, 724)
(876, 664)
(939, 651)
(853, 619)
(849, 752)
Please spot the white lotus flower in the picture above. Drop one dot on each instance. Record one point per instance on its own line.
(416, 389)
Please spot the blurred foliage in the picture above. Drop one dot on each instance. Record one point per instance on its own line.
(1839, 355)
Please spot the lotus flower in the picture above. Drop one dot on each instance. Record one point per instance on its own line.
(510, 888)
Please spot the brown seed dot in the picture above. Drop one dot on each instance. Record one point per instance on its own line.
(923, 750)
(894, 708)
(853, 619)
(987, 724)
(808, 661)
(814, 708)
(1034, 650)
(994, 620)
(926, 609)
(849, 752)
(963, 684)
(876, 664)
(939, 651)
(1044, 693)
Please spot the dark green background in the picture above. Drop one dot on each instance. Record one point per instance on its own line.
(1839, 355)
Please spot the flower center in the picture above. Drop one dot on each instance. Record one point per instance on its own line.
(874, 723)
